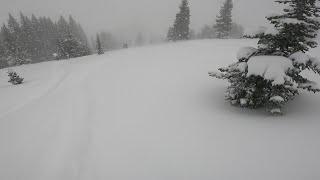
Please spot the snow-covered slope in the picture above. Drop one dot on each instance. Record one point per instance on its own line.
(149, 113)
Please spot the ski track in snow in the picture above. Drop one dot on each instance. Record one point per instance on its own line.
(150, 113)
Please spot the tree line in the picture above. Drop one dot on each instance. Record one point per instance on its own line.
(223, 28)
(36, 39)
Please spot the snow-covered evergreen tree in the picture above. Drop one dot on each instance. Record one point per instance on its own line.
(38, 39)
(37, 45)
(99, 47)
(270, 76)
(13, 53)
(17, 54)
(64, 29)
(71, 47)
(109, 41)
(295, 29)
(14, 78)
(223, 24)
(77, 30)
(7, 41)
(26, 37)
(3, 61)
(208, 32)
(180, 29)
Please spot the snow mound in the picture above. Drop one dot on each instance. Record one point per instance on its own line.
(300, 58)
(309, 85)
(276, 111)
(245, 53)
(240, 66)
(243, 101)
(271, 68)
(305, 61)
(277, 99)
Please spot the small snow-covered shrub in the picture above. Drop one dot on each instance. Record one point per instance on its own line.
(15, 79)
(267, 81)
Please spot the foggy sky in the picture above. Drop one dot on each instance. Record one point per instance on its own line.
(152, 17)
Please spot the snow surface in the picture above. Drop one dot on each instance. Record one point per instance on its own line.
(241, 66)
(245, 53)
(277, 99)
(146, 114)
(300, 58)
(273, 68)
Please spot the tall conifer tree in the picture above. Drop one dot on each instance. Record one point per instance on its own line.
(180, 29)
(295, 29)
(99, 46)
(223, 24)
(40, 39)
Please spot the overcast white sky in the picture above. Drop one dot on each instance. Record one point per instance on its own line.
(132, 16)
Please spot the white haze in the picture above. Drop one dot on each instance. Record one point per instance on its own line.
(129, 17)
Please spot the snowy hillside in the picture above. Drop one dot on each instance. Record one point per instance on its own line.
(149, 113)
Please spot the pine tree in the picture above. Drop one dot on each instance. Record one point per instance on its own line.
(17, 53)
(10, 47)
(7, 41)
(51, 36)
(3, 62)
(77, 31)
(26, 39)
(63, 28)
(13, 25)
(40, 39)
(99, 47)
(180, 29)
(37, 40)
(108, 41)
(295, 29)
(74, 27)
(84, 39)
(223, 24)
(14, 78)
(69, 44)
(71, 47)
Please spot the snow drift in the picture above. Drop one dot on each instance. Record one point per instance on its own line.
(149, 113)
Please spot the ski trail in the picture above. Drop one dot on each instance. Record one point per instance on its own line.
(67, 127)
(75, 135)
(152, 113)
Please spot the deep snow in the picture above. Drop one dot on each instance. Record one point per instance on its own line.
(273, 68)
(149, 113)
